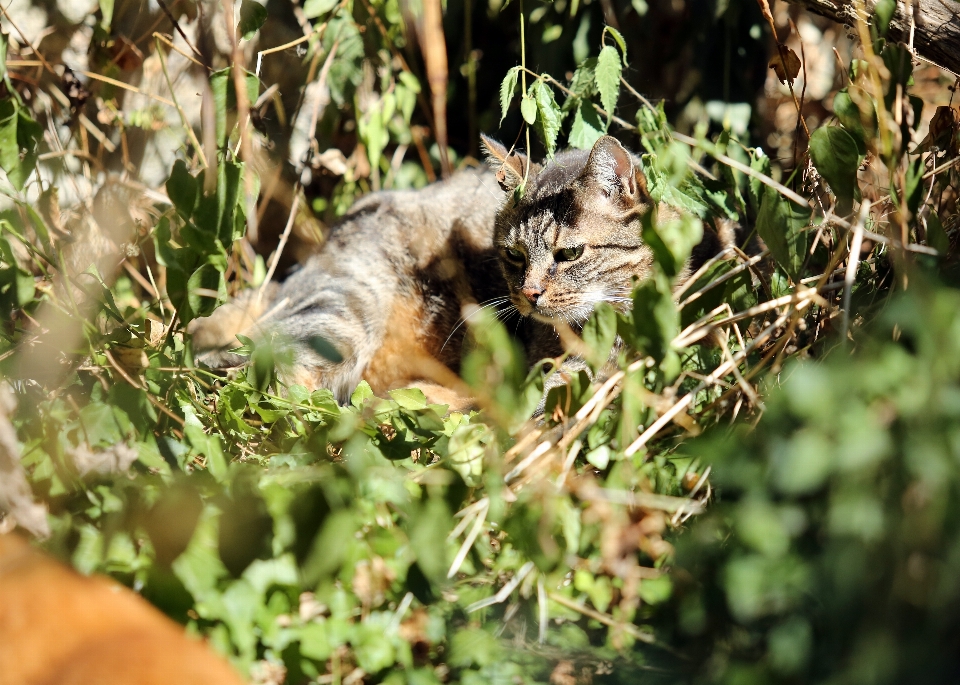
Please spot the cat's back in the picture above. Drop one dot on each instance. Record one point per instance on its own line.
(421, 221)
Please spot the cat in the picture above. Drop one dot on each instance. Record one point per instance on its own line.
(383, 299)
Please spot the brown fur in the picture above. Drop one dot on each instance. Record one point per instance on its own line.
(388, 288)
(60, 628)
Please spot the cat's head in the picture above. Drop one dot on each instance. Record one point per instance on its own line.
(572, 238)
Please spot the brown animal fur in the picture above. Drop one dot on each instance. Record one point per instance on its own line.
(60, 628)
(388, 288)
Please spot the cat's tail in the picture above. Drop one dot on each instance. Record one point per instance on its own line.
(215, 335)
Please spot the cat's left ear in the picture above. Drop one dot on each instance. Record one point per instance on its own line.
(509, 166)
(611, 170)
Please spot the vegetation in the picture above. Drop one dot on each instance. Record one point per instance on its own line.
(766, 490)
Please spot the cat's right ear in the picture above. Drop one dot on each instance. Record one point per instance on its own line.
(509, 166)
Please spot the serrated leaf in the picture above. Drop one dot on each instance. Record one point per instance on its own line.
(507, 88)
(835, 155)
(620, 41)
(608, 72)
(549, 116)
(587, 127)
(252, 17)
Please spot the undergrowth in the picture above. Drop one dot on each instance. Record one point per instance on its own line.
(390, 540)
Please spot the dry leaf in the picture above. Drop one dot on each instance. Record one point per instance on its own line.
(125, 54)
(787, 69)
(944, 129)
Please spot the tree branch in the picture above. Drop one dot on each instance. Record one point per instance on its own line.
(936, 35)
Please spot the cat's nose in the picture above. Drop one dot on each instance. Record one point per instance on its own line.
(532, 293)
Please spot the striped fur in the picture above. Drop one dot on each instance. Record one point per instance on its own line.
(388, 289)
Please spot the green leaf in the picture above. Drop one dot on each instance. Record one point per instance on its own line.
(316, 8)
(600, 332)
(528, 108)
(936, 236)
(549, 116)
(655, 317)
(325, 348)
(507, 88)
(619, 39)
(587, 126)
(106, 14)
(19, 136)
(183, 189)
(849, 115)
(252, 17)
(835, 155)
(225, 97)
(409, 398)
(780, 223)
(883, 11)
(608, 72)
(672, 240)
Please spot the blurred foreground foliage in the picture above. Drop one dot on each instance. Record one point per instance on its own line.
(632, 533)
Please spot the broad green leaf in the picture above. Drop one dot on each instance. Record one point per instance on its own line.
(183, 189)
(409, 398)
(587, 126)
(507, 88)
(851, 118)
(672, 240)
(835, 155)
(19, 136)
(316, 8)
(549, 116)
(252, 17)
(225, 97)
(600, 332)
(781, 225)
(655, 317)
(608, 72)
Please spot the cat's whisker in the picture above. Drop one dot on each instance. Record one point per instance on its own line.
(489, 303)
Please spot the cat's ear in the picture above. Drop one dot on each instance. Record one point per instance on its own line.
(509, 166)
(611, 170)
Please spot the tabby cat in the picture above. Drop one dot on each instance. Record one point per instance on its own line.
(384, 298)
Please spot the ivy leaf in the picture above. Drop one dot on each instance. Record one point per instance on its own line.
(608, 72)
(587, 127)
(252, 17)
(507, 89)
(549, 116)
(780, 223)
(835, 155)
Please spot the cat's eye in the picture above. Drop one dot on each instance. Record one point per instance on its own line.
(568, 254)
(514, 255)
